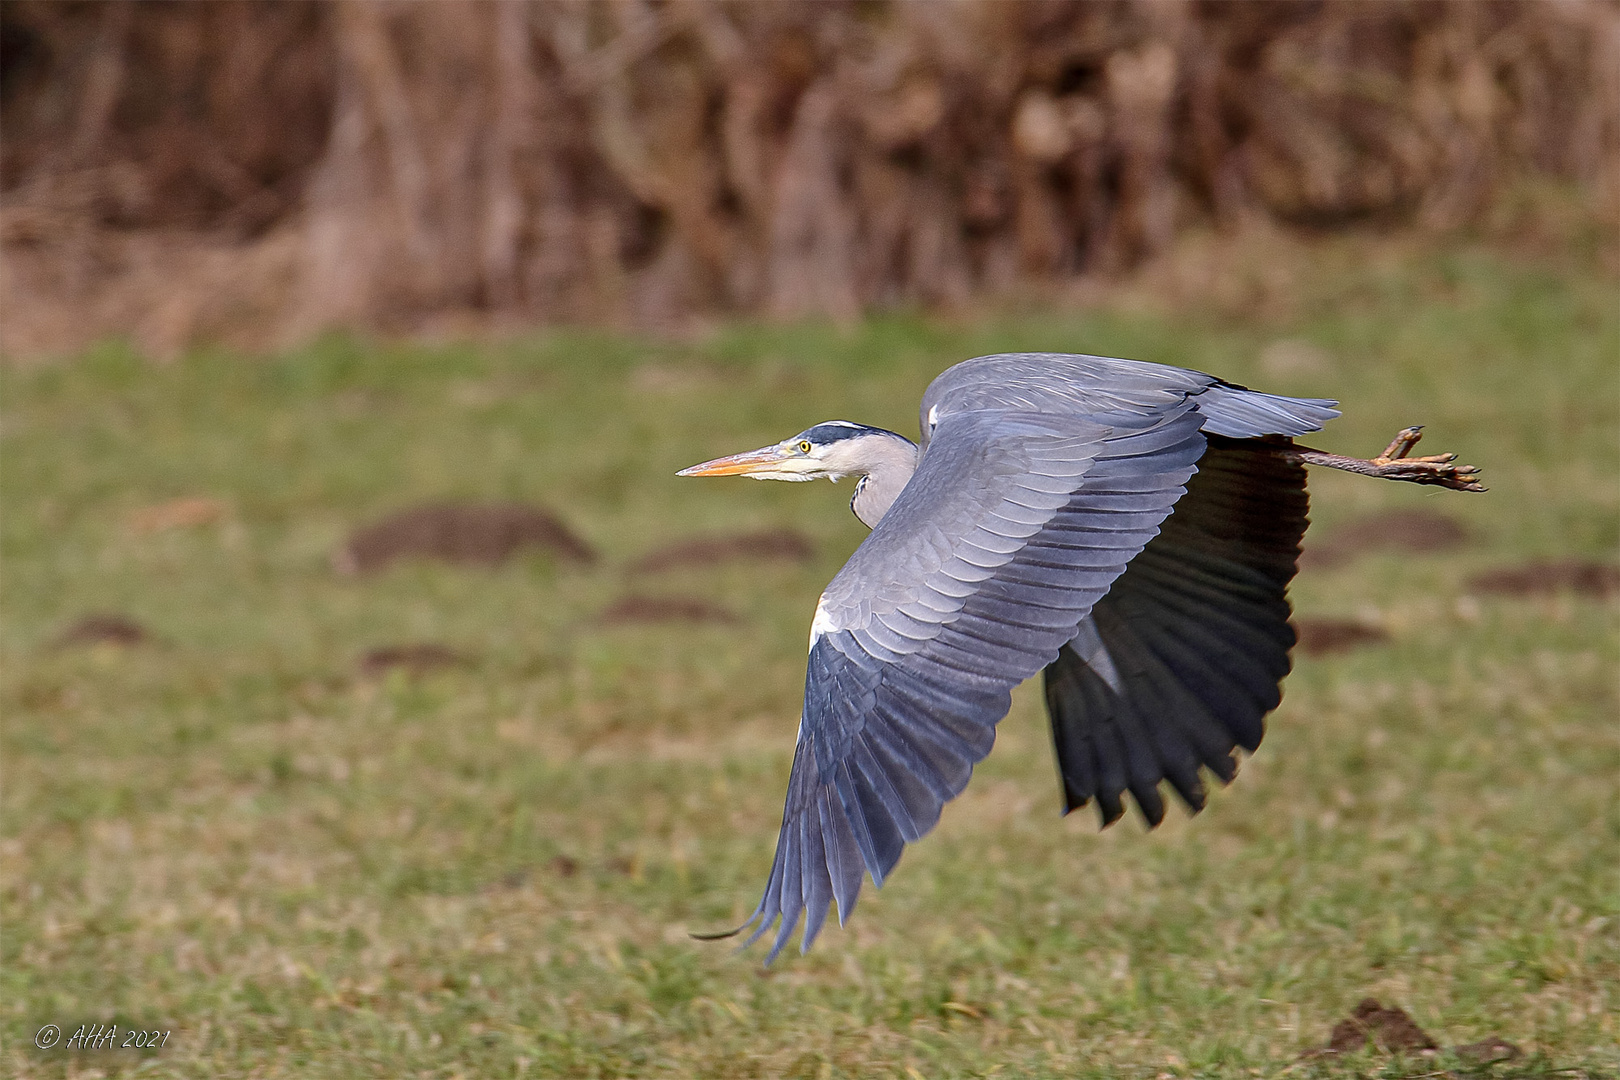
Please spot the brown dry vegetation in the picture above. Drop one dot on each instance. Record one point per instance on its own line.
(254, 172)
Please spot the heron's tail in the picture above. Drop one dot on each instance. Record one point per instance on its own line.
(1240, 413)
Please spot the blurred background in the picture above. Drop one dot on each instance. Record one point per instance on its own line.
(375, 701)
(257, 172)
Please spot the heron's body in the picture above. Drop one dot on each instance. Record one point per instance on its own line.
(1130, 528)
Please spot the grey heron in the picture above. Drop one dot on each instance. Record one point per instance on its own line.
(1128, 528)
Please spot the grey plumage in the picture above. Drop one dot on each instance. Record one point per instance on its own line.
(1117, 524)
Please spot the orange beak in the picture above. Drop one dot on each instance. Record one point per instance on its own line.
(767, 458)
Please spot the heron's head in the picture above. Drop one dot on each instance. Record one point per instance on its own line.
(833, 450)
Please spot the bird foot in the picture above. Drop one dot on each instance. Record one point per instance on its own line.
(1395, 463)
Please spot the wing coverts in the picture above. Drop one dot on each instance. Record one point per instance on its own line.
(1101, 386)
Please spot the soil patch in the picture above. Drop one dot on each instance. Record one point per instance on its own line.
(480, 534)
(777, 544)
(562, 866)
(1321, 637)
(1421, 531)
(1390, 1030)
(104, 628)
(667, 609)
(416, 659)
(1541, 578)
(1393, 1031)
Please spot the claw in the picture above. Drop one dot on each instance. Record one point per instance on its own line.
(1401, 445)
(1395, 464)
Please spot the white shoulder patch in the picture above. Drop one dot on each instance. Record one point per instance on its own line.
(822, 624)
(933, 416)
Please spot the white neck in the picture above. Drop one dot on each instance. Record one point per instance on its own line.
(887, 465)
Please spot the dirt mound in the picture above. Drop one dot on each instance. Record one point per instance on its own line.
(1321, 637)
(1393, 1031)
(417, 659)
(783, 544)
(1388, 1029)
(666, 609)
(480, 534)
(104, 628)
(1422, 531)
(1541, 578)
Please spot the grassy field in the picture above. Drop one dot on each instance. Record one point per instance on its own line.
(232, 834)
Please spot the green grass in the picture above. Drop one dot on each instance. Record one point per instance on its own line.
(302, 872)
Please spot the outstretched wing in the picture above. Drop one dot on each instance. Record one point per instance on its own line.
(1179, 663)
(1015, 523)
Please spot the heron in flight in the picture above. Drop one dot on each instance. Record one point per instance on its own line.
(1128, 528)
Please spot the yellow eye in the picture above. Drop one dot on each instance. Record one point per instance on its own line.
(804, 446)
